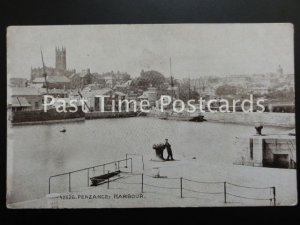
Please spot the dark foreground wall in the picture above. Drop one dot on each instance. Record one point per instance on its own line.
(40, 115)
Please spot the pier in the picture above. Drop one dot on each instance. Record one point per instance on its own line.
(268, 150)
(142, 185)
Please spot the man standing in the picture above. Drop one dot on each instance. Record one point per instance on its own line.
(169, 150)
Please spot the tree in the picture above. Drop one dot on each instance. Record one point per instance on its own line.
(147, 78)
(226, 90)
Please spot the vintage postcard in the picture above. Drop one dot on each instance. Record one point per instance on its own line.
(151, 115)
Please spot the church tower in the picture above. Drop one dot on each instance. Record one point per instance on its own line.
(60, 58)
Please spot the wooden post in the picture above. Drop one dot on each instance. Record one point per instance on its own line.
(274, 195)
(225, 197)
(49, 184)
(69, 182)
(88, 177)
(108, 180)
(126, 161)
(180, 187)
(142, 182)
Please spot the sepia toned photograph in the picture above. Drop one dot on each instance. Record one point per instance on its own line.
(151, 115)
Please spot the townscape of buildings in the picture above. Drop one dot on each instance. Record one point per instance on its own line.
(61, 82)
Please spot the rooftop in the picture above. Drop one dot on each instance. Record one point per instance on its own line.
(58, 79)
(92, 93)
(52, 91)
(120, 93)
(52, 79)
(20, 102)
(23, 91)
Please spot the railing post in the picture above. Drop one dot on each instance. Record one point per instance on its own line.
(126, 161)
(142, 182)
(180, 187)
(117, 163)
(69, 182)
(108, 180)
(274, 195)
(88, 177)
(225, 197)
(49, 185)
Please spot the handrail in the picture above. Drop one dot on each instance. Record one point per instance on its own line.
(74, 171)
(225, 192)
(88, 168)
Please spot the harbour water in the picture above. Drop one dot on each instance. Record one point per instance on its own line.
(39, 151)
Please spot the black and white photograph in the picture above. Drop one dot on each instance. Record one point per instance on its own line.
(151, 115)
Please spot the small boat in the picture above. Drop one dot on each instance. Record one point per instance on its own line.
(183, 116)
(98, 180)
(63, 130)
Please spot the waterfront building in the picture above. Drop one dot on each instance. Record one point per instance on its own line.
(258, 89)
(58, 82)
(149, 95)
(18, 82)
(143, 97)
(80, 80)
(109, 81)
(56, 93)
(19, 104)
(22, 98)
(281, 107)
(94, 102)
(123, 86)
(152, 94)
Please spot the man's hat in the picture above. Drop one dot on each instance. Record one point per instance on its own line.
(166, 139)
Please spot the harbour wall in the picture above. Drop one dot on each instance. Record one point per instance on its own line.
(102, 115)
(39, 116)
(277, 151)
(81, 119)
(266, 118)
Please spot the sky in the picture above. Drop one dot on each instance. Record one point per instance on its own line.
(196, 49)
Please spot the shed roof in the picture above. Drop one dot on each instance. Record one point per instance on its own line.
(58, 79)
(143, 96)
(120, 93)
(39, 80)
(20, 102)
(92, 93)
(23, 91)
(52, 79)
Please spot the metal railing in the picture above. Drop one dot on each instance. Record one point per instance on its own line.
(117, 163)
(223, 188)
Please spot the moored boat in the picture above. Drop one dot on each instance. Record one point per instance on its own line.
(182, 116)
